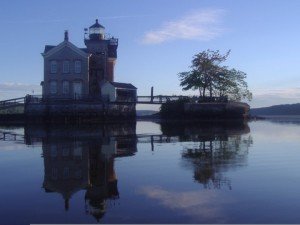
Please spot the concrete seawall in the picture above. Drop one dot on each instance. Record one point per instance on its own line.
(79, 110)
(219, 110)
(204, 110)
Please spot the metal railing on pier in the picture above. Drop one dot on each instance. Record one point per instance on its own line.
(11, 136)
(10, 103)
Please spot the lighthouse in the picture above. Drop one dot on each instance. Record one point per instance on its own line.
(86, 73)
(103, 50)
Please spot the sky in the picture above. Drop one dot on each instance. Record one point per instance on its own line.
(157, 40)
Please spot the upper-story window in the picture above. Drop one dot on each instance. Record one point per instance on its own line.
(53, 87)
(77, 66)
(53, 66)
(66, 66)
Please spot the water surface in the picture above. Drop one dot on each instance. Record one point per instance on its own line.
(147, 172)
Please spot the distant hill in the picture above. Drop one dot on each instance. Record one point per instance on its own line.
(288, 109)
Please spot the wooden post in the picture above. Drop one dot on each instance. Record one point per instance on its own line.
(151, 94)
(152, 143)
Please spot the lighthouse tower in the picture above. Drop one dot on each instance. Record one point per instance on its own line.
(103, 50)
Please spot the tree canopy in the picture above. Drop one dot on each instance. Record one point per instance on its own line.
(210, 78)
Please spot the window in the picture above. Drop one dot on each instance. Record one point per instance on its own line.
(53, 66)
(53, 87)
(66, 172)
(53, 151)
(77, 66)
(78, 174)
(77, 152)
(66, 87)
(66, 66)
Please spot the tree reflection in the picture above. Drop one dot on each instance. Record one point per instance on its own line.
(216, 148)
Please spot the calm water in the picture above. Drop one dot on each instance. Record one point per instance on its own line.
(151, 173)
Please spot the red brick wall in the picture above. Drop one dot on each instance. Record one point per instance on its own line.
(110, 70)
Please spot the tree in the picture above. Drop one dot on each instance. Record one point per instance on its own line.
(207, 75)
(231, 83)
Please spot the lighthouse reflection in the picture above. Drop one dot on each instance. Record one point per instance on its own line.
(82, 158)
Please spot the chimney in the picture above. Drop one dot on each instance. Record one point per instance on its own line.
(66, 35)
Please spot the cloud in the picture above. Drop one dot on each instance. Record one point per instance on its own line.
(15, 90)
(198, 25)
(201, 204)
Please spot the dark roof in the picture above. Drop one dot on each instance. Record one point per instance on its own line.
(123, 85)
(97, 25)
(48, 48)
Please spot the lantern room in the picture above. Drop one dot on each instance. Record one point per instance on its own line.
(96, 31)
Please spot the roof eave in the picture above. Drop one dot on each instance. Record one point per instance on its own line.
(64, 44)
